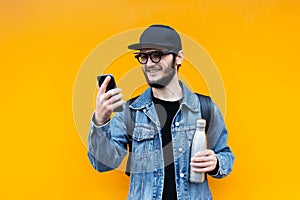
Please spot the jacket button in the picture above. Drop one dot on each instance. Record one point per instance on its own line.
(181, 175)
(180, 149)
(176, 123)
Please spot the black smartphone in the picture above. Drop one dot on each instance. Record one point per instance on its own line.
(111, 85)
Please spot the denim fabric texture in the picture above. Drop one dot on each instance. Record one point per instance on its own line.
(108, 147)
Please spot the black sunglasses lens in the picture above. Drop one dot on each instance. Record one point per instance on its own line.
(142, 58)
(155, 57)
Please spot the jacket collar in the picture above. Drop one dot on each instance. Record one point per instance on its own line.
(189, 100)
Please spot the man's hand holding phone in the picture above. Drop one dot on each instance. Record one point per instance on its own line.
(108, 99)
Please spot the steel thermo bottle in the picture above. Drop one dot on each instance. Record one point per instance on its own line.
(199, 143)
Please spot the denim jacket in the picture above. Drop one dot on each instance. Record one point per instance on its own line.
(108, 147)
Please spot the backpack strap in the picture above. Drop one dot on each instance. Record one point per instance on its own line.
(206, 109)
(130, 123)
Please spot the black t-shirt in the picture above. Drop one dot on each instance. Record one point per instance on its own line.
(166, 111)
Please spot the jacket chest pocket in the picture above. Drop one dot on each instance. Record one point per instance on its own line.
(143, 139)
(183, 141)
(143, 153)
(184, 136)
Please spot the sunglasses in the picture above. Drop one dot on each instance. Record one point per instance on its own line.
(155, 56)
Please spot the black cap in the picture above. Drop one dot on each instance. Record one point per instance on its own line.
(160, 37)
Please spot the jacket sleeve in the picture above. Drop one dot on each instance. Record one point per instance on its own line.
(107, 144)
(221, 149)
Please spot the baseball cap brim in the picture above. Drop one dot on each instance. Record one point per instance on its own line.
(139, 46)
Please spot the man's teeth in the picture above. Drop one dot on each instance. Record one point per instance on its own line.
(153, 70)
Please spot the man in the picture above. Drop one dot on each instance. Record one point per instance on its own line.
(165, 117)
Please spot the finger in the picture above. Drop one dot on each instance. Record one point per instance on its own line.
(116, 98)
(203, 170)
(202, 164)
(104, 85)
(110, 98)
(204, 158)
(117, 104)
(201, 159)
(204, 153)
(203, 167)
(113, 92)
(108, 95)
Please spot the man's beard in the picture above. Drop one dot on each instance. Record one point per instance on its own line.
(165, 80)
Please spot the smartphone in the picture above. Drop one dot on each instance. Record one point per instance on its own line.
(111, 85)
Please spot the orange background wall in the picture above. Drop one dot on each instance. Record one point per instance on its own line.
(254, 43)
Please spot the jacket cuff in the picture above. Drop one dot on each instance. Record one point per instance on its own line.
(101, 128)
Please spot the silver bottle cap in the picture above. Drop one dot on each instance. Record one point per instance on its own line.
(201, 123)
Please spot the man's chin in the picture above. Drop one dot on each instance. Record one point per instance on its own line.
(156, 85)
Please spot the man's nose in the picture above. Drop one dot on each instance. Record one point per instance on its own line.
(149, 62)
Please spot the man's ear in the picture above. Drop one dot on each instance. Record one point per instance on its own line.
(179, 57)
